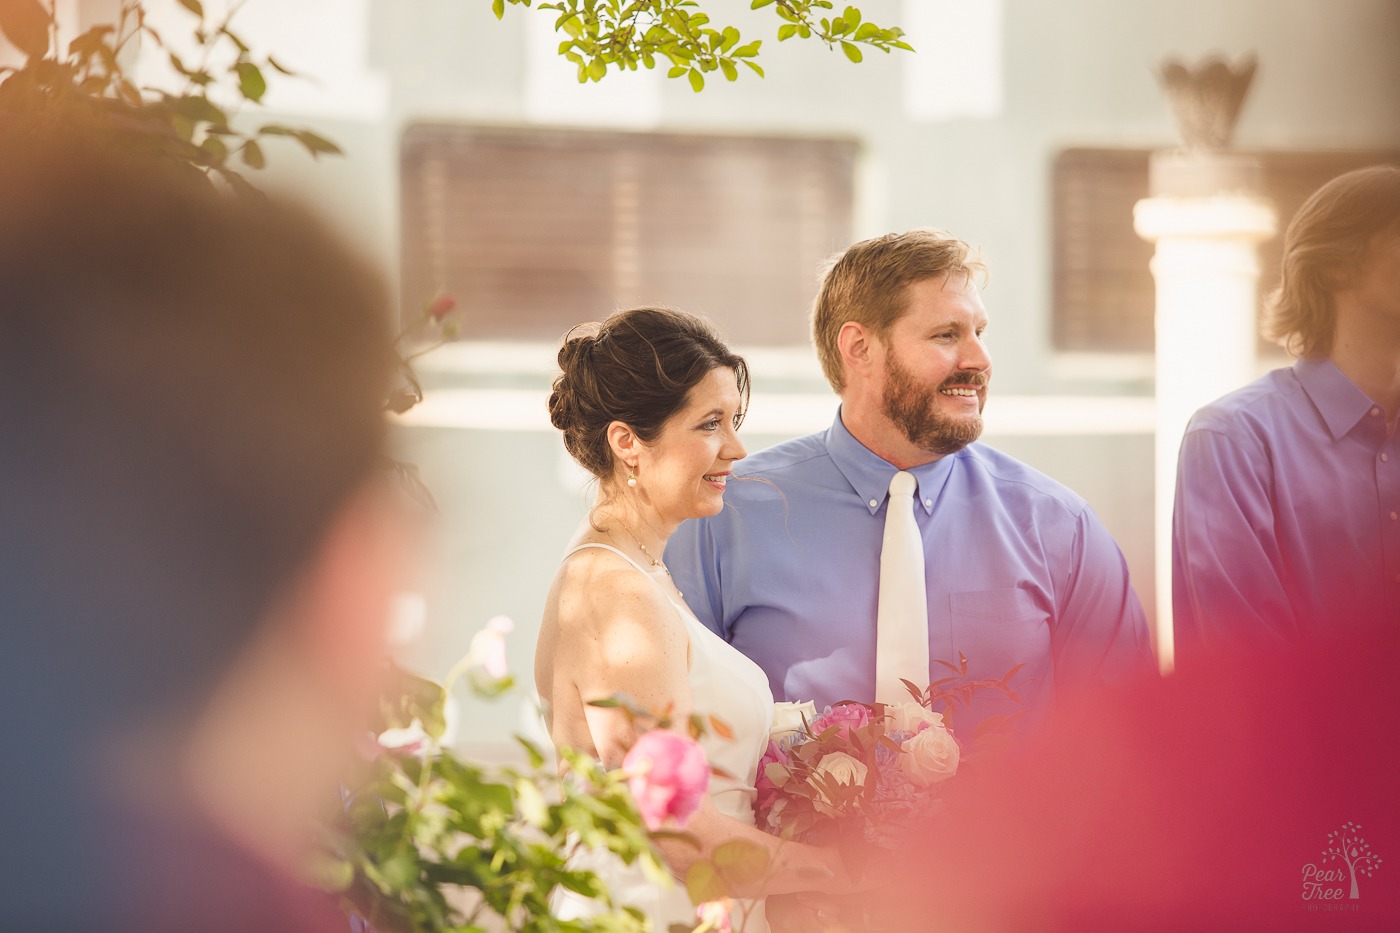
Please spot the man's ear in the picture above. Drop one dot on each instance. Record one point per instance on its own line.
(624, 444)
(858, 347)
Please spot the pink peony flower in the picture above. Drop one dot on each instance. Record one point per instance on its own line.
(845, 717)
(668, 776)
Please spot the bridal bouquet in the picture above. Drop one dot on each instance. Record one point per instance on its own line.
(862, 774)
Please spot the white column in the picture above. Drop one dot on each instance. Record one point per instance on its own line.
(1207, 272)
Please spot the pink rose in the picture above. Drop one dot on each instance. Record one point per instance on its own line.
(845, 717)
(668, 776)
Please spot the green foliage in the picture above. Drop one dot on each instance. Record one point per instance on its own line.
(431, 842)
(626, 34)
(88, 79)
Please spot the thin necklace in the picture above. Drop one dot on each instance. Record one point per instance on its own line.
(654, 562)
(645, 552)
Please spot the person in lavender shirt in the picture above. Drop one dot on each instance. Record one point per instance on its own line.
(1287, 521)
(1018, 568)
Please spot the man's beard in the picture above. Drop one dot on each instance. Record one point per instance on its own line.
(913, 409)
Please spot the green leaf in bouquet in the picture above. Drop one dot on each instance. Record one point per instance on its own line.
(703, 882)
(367, 814)
(740, 862)
(530, 802)
(532, 752)
(400, 869)
(484, 685)
(408, 697)
(329, 872)
(778, 773)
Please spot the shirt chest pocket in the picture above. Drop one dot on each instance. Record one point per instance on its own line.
(998, 629)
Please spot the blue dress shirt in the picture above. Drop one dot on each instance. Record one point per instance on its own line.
(1287, 520)
(1019, 570)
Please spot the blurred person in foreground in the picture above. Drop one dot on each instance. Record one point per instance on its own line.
(197, 552)
(1287, 521)
(1252, 792)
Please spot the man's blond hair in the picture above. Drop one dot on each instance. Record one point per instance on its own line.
(869, 284)
(1325, 247)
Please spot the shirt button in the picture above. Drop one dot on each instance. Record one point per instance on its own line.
(1375, 412)
(874, 503)
(928, 503)
(1394, 516)
(1385, 458)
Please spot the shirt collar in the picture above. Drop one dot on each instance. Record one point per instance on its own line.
(870, 475)
(1341, 404)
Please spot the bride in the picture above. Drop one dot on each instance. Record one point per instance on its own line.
(649, 402)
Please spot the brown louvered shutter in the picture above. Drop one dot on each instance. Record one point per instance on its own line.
(536, 230)
(1104, 295)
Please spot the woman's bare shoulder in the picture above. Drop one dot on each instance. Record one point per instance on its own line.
(596, 586)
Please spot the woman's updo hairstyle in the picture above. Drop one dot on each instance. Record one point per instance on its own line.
(637, 367)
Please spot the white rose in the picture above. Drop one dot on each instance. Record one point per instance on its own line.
(907, 717)
(788, 723)
(775, 816)
(841, 768)
(931, 756)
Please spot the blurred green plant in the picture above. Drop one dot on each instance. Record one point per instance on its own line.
(89, 77)
(626, 34)
(431, 842)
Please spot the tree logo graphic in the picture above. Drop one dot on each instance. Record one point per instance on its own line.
(1345, 845)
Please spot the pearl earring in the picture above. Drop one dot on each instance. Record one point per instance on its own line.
(631, 481)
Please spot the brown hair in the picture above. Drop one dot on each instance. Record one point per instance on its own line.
(1325, 245)
(636, 367)
(869, 281)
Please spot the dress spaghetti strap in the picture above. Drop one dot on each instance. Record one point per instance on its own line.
(608, 547)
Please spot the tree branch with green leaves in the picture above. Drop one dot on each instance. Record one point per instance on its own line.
(89, 77)
(628, 34)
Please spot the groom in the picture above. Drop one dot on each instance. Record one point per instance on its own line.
(1018, 570)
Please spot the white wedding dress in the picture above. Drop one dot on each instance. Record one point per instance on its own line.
(727, 685)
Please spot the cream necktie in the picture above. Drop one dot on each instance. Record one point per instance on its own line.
(901, 628)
